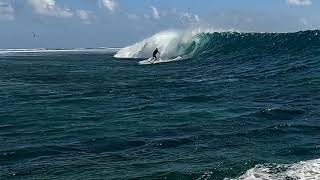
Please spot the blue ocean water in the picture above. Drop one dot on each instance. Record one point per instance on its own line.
(241, 106)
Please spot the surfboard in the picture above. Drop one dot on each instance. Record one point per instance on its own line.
(149, 61)
(159, 60)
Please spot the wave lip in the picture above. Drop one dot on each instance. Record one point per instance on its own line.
(303, 170)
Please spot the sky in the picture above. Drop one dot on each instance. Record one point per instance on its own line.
(117, 23)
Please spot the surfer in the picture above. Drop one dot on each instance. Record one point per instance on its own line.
(154, 54)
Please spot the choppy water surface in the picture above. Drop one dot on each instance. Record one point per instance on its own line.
(244, 108)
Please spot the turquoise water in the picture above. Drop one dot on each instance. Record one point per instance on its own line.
(238, 106)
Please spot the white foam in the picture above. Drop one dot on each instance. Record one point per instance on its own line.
(304, 170)
(171, 44)
(41, 50)
(168, 43)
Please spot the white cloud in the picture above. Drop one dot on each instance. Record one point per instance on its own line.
(111, 5)
(155, 13)
(6, 11)
(190, 18)
(49, 8)
(300, 2)
(181, 16)
(85, 16)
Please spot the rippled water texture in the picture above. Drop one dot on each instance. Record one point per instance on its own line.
(230, 113)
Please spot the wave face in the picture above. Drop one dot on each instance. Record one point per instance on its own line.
(173, 44)
(302, 170)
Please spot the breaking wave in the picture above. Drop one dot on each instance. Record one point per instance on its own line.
(173, 44)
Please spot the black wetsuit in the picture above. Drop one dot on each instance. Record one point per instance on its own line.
(155, 52)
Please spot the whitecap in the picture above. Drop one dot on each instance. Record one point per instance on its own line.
(304, 170)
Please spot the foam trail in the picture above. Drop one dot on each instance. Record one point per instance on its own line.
(303, 170)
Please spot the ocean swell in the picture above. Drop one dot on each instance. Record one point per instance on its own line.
(173, 44)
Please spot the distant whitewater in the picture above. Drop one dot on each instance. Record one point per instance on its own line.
(175, 44)
(44, 50)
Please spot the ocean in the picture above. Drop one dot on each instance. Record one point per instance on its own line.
(217, 105)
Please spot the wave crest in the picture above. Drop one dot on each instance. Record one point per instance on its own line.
(173, 44)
